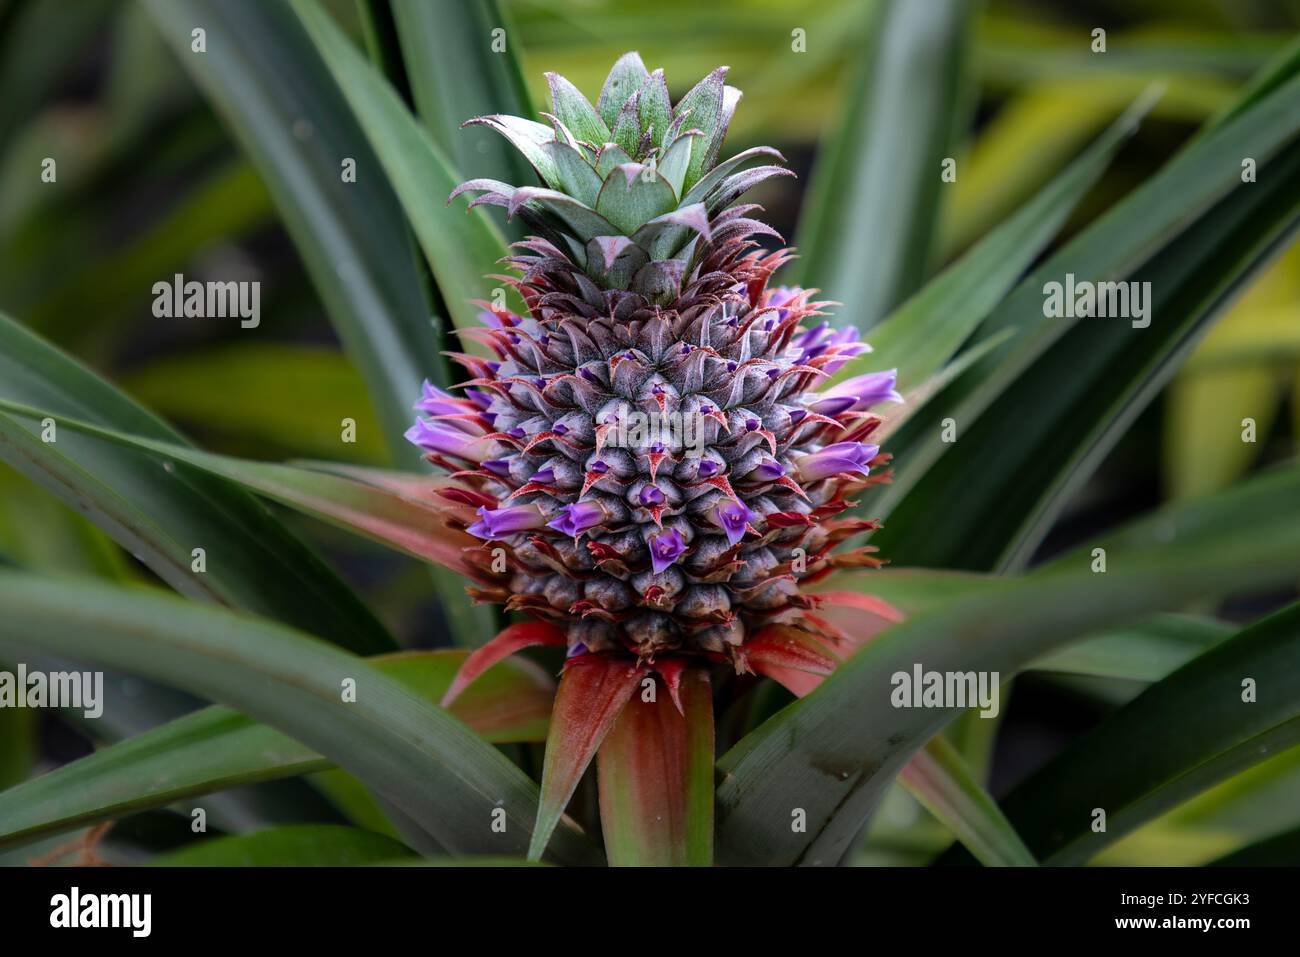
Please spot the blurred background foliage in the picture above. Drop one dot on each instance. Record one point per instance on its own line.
(151, 184)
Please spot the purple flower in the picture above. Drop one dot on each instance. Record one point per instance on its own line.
(499, 467)
(651, 495)
(809, 338)
(835, 363)
(732, 518)
(577, 518)
(780, 295)
(436, 402)
(833, 405)
(545, 476)
(708, 468)
(860, 392)
(666, 548)
(434, 437)
(837, 459)
(843, 344)
(769, 470)
(506, 521)
(479, 397)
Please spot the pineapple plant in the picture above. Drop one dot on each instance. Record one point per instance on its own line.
(687, 529)
(647, 295)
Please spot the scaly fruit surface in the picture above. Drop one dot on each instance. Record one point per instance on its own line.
(650, 448)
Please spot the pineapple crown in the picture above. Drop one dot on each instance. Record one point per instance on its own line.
(634, 195)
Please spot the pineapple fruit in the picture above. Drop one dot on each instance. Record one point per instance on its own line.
(649, 304)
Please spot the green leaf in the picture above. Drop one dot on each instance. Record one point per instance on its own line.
(528, 137)
(40, 533)
(655, 110)
(714, 178)
(576, 177)
(585, 223)
(656, 779)
(627, 129)
(627, 76)
(632, 195)
(1193, 729)
(459, 247)
(18, 745)
(1055, 397)
(1147, 651)
(162, 515)
(428, 764)
(351, 799)
(293, 845)
(1017, 48)
(1205, 423)
(916, 399)
(673, 164)
(293, 397)
(1250, 806)
(848, 739)
(867, 229)
(1281, 850)
(921, 335)
(1209, 403)
(576, 112)
(226, 205)
(265, 77)
(1033, 135)
(456, 73)
(703, 106)
(393, 508)
(1271, 75)
(938, 778)
(913, 590)
(268, 83)
(216, 748)
(611, 155)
